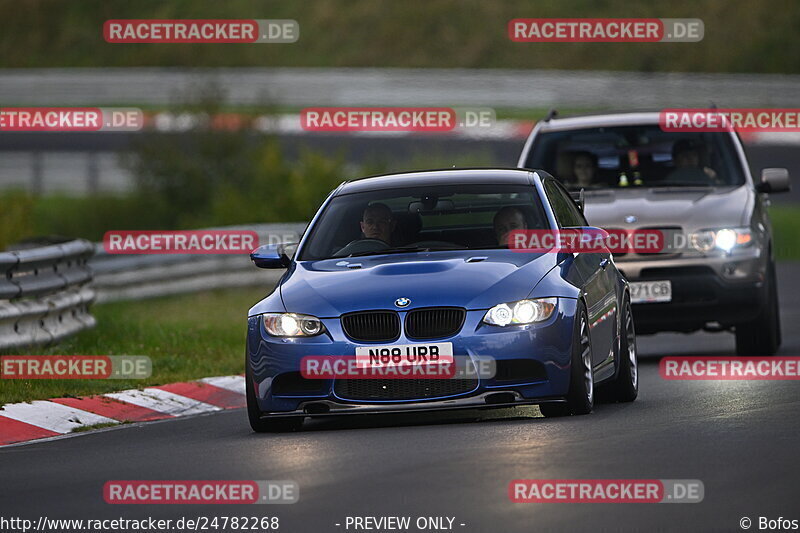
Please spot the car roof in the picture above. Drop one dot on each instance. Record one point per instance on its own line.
(451, 176)
(596, 121)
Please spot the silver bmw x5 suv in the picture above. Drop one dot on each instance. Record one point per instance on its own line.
(693, 185)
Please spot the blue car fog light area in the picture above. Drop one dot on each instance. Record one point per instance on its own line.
(532, 360)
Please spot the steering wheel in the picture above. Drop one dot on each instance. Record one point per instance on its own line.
(361, 245)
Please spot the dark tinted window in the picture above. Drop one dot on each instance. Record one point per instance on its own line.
(567, 213)
(636, 156)
(435, 217)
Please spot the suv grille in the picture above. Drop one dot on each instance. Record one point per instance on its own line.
(372, 326)
(401, 389)
(669, 232)
(434, 322)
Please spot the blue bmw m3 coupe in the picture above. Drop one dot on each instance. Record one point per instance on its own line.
(415, 268)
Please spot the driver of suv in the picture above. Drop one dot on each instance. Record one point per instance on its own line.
(377, 222)
(686, 155)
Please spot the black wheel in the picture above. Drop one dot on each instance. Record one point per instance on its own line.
(762, 336)
(261, 425)
(580, 398)
(625, 386)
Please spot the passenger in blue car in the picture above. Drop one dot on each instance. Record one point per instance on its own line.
(506, 220)
(378, 222)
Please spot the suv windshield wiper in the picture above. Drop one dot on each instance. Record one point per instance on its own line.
(682, 185)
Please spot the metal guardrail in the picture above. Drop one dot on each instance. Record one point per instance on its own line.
(500, 88)
(45, 293)
(134, 277)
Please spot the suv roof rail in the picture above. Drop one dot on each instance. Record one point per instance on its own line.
(553, 113)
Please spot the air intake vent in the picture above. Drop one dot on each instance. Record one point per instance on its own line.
(401, 389)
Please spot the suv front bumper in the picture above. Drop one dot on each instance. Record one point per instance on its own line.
(725, 289)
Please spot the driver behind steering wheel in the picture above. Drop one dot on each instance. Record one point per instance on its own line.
(377, 222)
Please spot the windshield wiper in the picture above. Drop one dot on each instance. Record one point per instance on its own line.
(399, 251)
(681, 185)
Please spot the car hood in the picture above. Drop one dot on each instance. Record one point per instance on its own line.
(654, 207)
(473, 280)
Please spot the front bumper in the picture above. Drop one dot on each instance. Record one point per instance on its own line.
(487, 400)
(275, 362)
(721, 290)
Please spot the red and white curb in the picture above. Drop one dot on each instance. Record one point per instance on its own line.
(22, 422)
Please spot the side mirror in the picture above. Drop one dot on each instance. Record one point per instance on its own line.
(774, 180)
(594, 231)
(589, 239)
(271, 256)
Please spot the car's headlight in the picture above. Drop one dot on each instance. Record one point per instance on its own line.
(725, 239)
(292, 325)
(521, 312)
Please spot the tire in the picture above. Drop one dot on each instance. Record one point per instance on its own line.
(762, 336)
(625, 386)
(580, 397)
(261, 425)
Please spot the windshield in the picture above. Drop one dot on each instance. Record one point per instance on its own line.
(636, 156)
(452, 217)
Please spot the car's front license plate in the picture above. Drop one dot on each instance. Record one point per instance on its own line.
(651, 291)
(405, 354)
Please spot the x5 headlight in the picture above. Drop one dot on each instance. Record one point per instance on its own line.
(725, 239)
(292, 325)
(520, 312)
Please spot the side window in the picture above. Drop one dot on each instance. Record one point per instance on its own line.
(567, 213)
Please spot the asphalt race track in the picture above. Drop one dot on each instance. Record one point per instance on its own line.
(739, 438)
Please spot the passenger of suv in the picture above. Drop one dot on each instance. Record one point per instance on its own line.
(584, 168)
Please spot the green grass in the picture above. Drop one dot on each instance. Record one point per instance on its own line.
(187, 337)
(786, 230)
(740, 35)
(91, 427)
